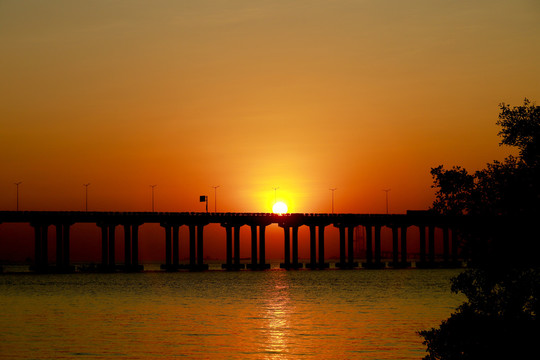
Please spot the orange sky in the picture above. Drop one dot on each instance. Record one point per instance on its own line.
(249, 95)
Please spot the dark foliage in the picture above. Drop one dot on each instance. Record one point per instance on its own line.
(501, 318)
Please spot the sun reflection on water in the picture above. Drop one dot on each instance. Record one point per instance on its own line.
(277, 311)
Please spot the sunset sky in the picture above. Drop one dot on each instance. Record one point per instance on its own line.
(250, 95)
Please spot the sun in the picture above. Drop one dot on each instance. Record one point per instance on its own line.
(279, 208)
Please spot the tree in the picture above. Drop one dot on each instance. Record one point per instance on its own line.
(501, 318)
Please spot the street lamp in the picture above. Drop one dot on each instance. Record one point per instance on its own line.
(86, 196)
(332, 190)
(386, 191)
(153, 186)
(17, 185)
(215, 197)
(275, 194)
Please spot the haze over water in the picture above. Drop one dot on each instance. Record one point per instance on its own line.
(277, 314)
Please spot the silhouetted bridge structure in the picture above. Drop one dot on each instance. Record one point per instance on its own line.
(232, 222)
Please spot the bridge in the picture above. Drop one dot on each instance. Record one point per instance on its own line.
(232, 222)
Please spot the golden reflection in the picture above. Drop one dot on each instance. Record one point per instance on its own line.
(276, 315)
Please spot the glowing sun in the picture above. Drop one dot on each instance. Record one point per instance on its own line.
(279, 208)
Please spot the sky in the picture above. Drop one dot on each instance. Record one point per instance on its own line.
(253, 95)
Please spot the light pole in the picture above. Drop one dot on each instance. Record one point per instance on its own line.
(332, 190)
(386, 191)
(215, 197)
(153, 187)
(86, 196)
(17, 185)
(275, 194)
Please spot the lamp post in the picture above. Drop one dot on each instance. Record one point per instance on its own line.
(332, 190)
(215, 197)
(386, 191)
(275, 194)
(153, 187)
(17, 185)
(86, 196)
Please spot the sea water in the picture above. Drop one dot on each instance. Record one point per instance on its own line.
(275, 314)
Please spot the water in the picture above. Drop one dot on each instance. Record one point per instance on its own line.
(358, 314)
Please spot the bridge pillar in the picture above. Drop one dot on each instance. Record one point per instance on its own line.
(62, 248)
(135, 247)
(228, 243)
(41, 245)
(59, 246)
(196, 247)
(395, 248)
(312, 247)
(253, 246)
(378, 263)
(192, 248)
(431, 240)
(422, 230)
(404, 261)
(346, 247)
(341, 247)
(350, 250)
(107, 246)
(237, 246)
(66, 248)
(175, 246)
(262, 248)
(200, 246)
(168, 250)
(131, 248)
(295, 263)
(104, 246)
(369, 247)
(112, 257)
(321, 264)
(127, 246)
(287, 248)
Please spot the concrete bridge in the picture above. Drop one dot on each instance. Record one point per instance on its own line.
(232, 222)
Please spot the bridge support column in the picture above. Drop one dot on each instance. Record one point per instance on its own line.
(41, 245)
(287, 248)
(369, 247)
(168, 251)
(404, 262)
(395, 247)
(295, 264)
(312, 247)
(175, 246)
(107, 247)
(62, 248)
(104, 246)
(131, 248)
(431, 240)
(378, 263)
(228, 246)
(262, 248)
(350, 251)
(422, 261)
(112, 256)
(253, 246)
(127, 246)
(346, 248)
(135, 247)
(321, 264)
(237, 247)
(192, 247)
(342, 254)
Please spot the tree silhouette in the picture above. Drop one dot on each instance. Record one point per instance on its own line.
(500, 318)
